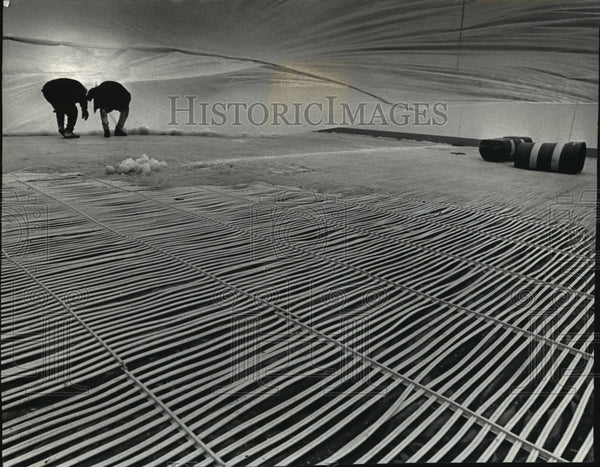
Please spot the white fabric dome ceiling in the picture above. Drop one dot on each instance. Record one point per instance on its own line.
(473, 54)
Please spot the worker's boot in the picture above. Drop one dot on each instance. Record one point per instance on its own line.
(70, 135)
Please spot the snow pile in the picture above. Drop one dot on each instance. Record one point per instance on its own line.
(142, 165)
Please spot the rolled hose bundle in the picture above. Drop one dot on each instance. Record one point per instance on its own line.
(554, 157)
(501, 149)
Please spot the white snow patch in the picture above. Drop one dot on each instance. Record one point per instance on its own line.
(142, 165)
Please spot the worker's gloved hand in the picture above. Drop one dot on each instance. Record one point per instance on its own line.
(84, 114)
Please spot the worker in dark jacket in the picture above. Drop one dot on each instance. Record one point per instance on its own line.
(109, 96)
(63, 94)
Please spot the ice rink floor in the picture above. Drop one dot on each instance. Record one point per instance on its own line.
(299, 300)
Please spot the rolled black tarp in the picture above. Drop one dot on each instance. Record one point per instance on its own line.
(501, 149)
(553, 157)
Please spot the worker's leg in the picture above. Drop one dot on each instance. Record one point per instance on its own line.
(71, 112)
(121, 123)
(60, 120)
(105, 127)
